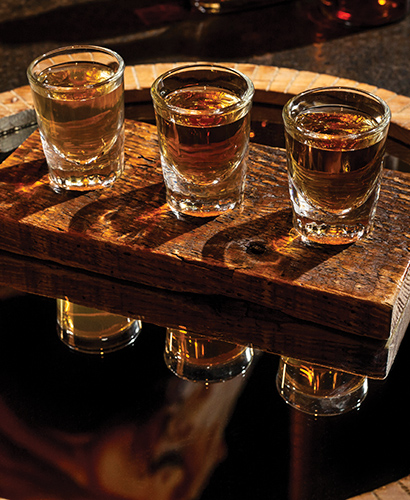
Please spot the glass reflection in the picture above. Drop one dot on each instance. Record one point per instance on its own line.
(200, 359)
(318, 390)
(93, 331)
(112, 427)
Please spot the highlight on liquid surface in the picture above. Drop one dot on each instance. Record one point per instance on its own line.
(80, 114)
(204, 143)
(337, 169)
(76, 75)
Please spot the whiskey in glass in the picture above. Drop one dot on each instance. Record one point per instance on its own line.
(335, 143)
(203, 123)
(78, 95)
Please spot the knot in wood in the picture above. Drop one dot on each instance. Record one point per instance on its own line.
(256, 247)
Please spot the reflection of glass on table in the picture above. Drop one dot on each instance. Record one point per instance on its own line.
(201, 359)
(318, 390)
(93, 331)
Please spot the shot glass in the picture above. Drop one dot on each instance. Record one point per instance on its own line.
(203, 122)
(92, 331)
(335, 142)
(317, 390)
(200, 359)
(78, 95)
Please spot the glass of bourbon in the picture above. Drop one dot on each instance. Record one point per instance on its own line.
(335, 143)
(203, 123)
(78, 95)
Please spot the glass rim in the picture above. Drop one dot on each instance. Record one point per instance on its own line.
(75, 49)
(244, 100)
(290, 122)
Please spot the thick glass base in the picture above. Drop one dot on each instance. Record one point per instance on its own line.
(200, 208)
(204, 200)
(317, 225)
(330, 234)
(102, 172)
(87, 183)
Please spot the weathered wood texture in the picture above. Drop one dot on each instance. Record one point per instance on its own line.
(215, 316)
(129, 233)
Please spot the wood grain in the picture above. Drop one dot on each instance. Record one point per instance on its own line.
(214, 316)
(129, 233)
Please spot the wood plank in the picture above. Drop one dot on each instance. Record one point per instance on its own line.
(215, 316)
(398, 490)
(129, 233)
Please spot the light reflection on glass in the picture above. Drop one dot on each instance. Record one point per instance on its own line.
(93, 331)
(201, 359)
(318, 390)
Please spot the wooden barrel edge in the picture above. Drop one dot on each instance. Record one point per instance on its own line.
(274, 85)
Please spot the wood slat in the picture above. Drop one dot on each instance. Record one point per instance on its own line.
(128, 232)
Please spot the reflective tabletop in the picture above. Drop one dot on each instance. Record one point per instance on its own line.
(124, 425)
(170, 414)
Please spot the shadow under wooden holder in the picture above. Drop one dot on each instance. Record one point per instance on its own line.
(215, 316)
(128, 232)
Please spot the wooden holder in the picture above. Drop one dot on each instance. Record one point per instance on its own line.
(128, 232)
(245, 276)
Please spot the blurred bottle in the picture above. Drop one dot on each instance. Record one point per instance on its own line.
(365, 12)
(222, 6)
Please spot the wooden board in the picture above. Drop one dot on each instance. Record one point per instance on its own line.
(129, 233)
(214, 316)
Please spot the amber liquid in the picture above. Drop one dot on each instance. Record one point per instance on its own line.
(81, 119)
(91, 330)
(335, 172)
(204, 351)
(90, 323)
(204, 146)
(319, 381)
